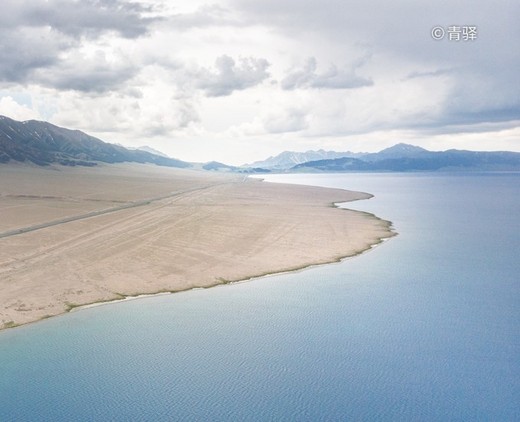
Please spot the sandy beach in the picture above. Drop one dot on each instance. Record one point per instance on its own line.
(75, 236)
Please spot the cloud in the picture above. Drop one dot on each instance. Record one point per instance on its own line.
(429, 73)
(333, 78)
(204, 16)
(78, 18)
(291, 120)
(95, 74)
(37, 37)
(182, 114)
(473, 96)
(114, 117)
(22, 52)
(10, 108)
(477, 97)
(228, 76)
(478, 82)
(134, 69)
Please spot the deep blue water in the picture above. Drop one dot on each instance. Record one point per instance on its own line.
(424, 327)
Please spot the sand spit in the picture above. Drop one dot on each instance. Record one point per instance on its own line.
(189, 229)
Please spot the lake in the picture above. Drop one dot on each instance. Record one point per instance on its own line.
(425, 326)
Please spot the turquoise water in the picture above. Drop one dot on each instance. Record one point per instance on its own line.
(423, 327)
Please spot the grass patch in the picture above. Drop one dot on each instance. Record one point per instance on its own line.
(223, 280)
(70, 306)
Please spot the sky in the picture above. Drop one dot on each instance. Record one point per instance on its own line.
(240, 80)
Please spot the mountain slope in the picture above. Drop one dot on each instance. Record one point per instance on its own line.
(43, 143)
(151, 151)
(288, 159)
(397, 151)
(418, 160)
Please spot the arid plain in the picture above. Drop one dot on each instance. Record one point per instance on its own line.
(75, 236)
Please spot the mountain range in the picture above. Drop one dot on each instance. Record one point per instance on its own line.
(404, 157)
(289, 159)
(43, 143)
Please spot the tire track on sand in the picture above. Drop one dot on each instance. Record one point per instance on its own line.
(134, 204)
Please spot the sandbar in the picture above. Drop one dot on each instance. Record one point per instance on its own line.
(76, 236)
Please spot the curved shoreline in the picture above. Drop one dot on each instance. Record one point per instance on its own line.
(245, 280)
(225, 233)
(125, 298)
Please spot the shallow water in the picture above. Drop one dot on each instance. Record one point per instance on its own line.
(423, 327)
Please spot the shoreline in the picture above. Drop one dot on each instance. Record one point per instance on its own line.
(127, 298)
(78, 308)
(229, 283)
(230, 232)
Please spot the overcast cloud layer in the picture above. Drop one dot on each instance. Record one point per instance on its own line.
(239, 80)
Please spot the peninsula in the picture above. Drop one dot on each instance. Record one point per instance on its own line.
(71, 236)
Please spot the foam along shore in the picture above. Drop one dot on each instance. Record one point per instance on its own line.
(188, 229)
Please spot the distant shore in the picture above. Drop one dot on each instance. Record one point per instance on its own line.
(117, 231)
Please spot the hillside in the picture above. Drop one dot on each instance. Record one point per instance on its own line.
(43, 143)
(403, 157)
(288, 159)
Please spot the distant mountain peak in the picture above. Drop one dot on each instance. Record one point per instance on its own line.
(400, 150)
(404, 157)
(288, 159)
(402, 147)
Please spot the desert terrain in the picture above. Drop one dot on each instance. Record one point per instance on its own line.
(75, 236)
